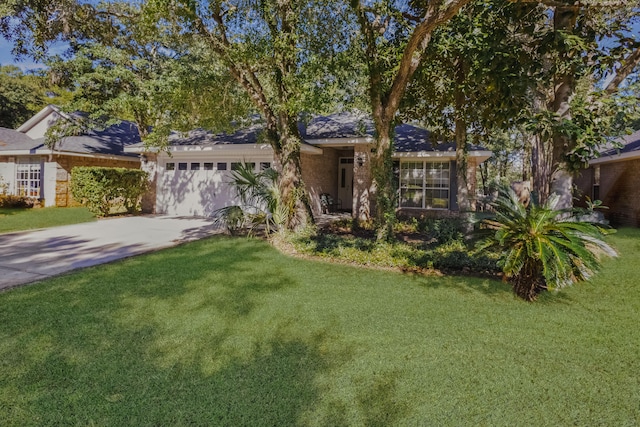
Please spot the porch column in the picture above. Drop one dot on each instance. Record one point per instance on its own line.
(149, 164)
(362, 182)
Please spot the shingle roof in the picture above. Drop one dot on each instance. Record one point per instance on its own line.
(201, 137)
(13, 140)
(407, 138)
(110, 140)
(339, 125)
(630, 143)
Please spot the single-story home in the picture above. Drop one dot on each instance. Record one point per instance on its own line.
(29, 168)
(192, 176)
(614, 178)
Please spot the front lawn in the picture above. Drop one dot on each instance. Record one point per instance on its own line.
(18, 219)
(230, 332)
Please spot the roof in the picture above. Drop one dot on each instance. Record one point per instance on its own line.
(630, 150)
(339, 125)
(341, 128)
(248, 135)
(13, 140)
(109, 141)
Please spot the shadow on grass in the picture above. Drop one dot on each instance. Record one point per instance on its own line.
(159, 340)
(12, 211)
(272, 385)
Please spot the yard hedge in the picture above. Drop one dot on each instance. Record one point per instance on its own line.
(105, 190)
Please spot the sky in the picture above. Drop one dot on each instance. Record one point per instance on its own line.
(6, 58)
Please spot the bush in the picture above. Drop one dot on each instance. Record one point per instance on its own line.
(103, 190)
(543, 247)
(441, 230)
(10, 201)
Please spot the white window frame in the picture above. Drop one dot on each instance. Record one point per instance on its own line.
(433, 179)
(28, 178)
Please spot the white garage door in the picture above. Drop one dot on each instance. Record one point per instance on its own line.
(196, 187)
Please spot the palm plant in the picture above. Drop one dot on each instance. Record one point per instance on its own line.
(261, 204)
(543, 247)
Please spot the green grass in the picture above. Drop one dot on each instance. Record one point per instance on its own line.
(28, 219)
(230, 332)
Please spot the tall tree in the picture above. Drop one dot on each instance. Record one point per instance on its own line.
(273, 49)
(24, 94)
(565, 125)
(394, 38)
(476, 80)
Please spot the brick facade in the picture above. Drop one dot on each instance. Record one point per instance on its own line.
(320, 174)
(618, 190)
(63, 173)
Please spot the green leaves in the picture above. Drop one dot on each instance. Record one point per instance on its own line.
(105, 190)
(543, 247)
(262, 205)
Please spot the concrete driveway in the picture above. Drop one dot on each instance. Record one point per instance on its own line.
(35, 255)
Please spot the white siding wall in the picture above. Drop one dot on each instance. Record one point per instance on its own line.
(41, 127)
(48, 191)
(8, 175)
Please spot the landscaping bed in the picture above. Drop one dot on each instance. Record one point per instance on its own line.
(427, 246)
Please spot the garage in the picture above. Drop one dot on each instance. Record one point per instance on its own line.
(200, 185)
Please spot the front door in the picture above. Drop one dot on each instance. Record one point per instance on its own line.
(345, 182)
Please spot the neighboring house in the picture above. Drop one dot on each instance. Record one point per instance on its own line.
(29, 168)
(193, 177)
(614, 178)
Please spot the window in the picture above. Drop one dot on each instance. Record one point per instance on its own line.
(424, 185)
(195, 166)
(182, 166)
(222, 166)
(236, 165)
(28, 178)
(265, 165)
(170, 166)
(595, 194)
(208, 166)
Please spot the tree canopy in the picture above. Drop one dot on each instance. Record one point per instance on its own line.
(561, 73)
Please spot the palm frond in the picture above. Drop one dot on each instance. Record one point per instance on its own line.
(546, 247)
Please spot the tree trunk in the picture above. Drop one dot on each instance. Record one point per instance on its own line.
(466, 200)
(564, 19)
(382, 168)
(293, 192)
(540, 168)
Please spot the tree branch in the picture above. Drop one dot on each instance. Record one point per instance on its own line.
(630, 63)
(412, 55)
(578, 3)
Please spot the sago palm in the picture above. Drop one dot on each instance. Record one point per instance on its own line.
(261, 207)
(543, 247)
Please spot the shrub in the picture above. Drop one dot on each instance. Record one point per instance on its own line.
(441, 230)
(103, 190)
(543, 247)
(10, 201)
